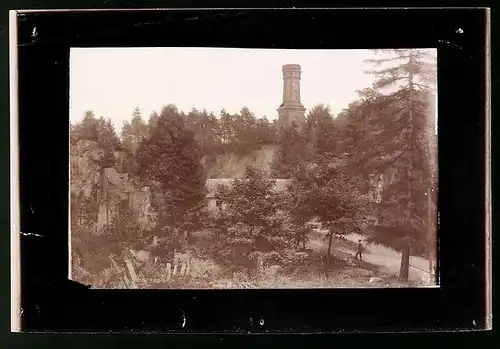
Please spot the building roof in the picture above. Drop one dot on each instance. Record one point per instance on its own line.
(212, 185)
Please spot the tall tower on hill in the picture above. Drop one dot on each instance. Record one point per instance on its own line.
(291, 109)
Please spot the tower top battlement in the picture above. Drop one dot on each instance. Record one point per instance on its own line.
(291, 67)
(292, 71)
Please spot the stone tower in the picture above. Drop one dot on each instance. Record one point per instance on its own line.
(291, 109)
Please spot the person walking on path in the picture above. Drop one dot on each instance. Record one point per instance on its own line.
(359, 251)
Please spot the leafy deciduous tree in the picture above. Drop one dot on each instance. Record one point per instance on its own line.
(253, 218)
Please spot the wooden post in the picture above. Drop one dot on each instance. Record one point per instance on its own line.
(188, 268)
(131, 270)
(125, 281)
(183, 269)
(405, 263)
(175, 270)
(114, 264)
(169, 271)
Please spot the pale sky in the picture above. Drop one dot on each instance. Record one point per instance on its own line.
(113, 81)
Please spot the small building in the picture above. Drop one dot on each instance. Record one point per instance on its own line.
(214, 204)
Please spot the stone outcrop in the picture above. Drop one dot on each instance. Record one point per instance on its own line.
(233, 165)
(115, 191)
(85, 157)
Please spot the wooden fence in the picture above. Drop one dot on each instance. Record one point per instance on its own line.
(172, 271)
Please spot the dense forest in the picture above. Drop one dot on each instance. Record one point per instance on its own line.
(368, 170)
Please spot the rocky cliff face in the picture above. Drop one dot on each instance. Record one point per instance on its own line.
(85, 158)
(233, 165)
(115, 191)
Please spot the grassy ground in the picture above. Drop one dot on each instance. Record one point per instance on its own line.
(344, 271)
(207, 274)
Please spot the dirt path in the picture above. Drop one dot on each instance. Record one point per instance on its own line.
(390, 260)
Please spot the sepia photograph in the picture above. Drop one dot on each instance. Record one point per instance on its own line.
(229, 168)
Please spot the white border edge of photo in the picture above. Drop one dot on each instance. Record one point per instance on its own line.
(15, 267)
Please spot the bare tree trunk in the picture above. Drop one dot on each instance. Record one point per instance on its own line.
(329, 249)
(107, 218)
(411, 138)
(405, 263)
(104, 197)
(431, 239)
